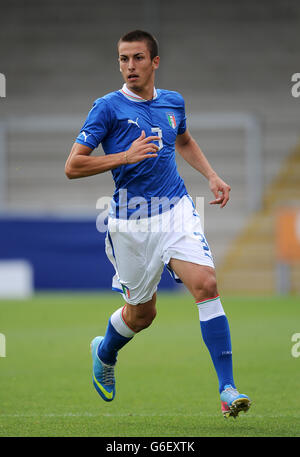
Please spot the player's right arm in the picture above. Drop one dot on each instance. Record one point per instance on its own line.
(80, 163)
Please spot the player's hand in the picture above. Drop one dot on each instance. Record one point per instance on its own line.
(220, 190)
(142, 149)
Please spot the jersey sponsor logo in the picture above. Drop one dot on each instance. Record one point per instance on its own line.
(172, 120)
(130, 121)
(85, 135)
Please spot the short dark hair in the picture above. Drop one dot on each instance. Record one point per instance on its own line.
(140, 35)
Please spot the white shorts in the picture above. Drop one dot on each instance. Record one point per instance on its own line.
(140, 249)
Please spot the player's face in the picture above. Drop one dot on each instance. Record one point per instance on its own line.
(136, 65)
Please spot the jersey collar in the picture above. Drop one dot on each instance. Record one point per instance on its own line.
(134, 97)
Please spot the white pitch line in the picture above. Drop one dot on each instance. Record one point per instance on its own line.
(86, 414)
(106, 415)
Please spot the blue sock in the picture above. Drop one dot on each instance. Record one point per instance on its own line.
(216, 336)
(116, 336)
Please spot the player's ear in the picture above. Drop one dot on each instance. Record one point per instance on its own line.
(155, 62)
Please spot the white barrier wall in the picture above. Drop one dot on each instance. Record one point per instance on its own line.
(16, 279)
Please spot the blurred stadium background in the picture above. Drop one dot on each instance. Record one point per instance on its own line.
(233, 62)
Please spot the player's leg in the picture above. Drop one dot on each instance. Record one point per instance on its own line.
(200, 280)
(136, 258)
(139, 317)
(122, 326)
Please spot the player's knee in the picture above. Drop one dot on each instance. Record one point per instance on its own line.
(138, 317)
(145, 319)
(206, 287)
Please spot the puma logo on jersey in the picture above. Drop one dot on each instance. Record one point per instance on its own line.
(85, 135)
(130, 121)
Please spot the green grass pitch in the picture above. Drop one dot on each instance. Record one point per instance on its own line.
(166, 385)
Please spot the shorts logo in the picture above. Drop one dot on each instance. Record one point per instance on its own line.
(172, 120)
(126, 291)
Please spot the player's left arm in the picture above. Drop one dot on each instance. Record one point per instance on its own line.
(191, 152)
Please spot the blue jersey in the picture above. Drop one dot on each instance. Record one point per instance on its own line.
(115, 121)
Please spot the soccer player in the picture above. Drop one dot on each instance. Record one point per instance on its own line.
(152, 220)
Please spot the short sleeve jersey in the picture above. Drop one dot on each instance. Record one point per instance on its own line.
(115, 121)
